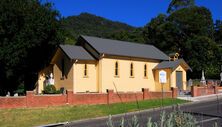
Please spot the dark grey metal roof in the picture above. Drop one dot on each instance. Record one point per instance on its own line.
(76, 52)
(172, 64)
(122, 48)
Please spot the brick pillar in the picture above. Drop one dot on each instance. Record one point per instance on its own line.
(174, 92)
(69, 97)
(109, 96)
(215, 89)
(194, 90)
(145, 93)
(29, 98)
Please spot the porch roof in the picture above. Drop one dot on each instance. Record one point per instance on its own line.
(173, 65)
(76, 52)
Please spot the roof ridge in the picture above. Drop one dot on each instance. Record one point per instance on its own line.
(69, 45)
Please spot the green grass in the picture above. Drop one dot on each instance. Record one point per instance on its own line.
(39, 116)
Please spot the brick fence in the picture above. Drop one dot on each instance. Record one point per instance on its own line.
(201, 91)
(70, 98)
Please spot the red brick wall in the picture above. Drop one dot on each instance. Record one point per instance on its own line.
(201, 91)
(31, 100)
(12, 102)
(158, 95)
(126, 97)
(45, 100)
(89, 98)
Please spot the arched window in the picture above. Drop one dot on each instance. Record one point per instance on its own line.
(145, 70)
(131, 70)
(116, 68)
(85, 70)
(63, 68)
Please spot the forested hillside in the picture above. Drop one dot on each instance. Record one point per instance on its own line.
(89, 24)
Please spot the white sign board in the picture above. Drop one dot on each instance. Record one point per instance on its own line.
(162, 76)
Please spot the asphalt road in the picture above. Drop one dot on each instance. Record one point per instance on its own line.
(206, 113)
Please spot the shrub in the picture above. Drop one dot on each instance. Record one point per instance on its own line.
(174, 119)
(50, 89)
(20, 90)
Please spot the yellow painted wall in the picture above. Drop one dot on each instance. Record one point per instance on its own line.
(85, 83)
(166, 86)
(124, 82)
(171, 78)
(179, 68)
(101, 75)
(67, 80)
(74, 74)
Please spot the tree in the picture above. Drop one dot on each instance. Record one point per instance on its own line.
(194, 20)
(190, 32)
(179, 4)
(218, 31)
(29, 32)
(203, 54)
(131, 36)
(162, 34)
(191, 22)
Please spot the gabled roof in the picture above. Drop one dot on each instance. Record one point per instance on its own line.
(76, 52)
(122, 48)
(173, 65)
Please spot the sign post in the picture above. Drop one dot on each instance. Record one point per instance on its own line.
(162, 80)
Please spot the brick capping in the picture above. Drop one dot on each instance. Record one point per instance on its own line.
(70, 98)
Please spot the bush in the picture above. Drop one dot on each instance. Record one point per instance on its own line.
(20, 90)
(174, 119)
(50, 89)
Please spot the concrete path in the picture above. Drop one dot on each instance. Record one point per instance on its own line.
(201, 98)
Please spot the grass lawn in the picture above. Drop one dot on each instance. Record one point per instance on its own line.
(39, 116)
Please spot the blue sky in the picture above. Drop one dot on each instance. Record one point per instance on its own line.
(132, 12)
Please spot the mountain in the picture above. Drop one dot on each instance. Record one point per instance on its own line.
(92, 25)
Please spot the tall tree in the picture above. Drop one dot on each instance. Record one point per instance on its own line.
(179, 4)
(29, 32)
(203, 54)
(191, 22)
(218, 32)
(162, 34)
(189, 31)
